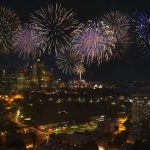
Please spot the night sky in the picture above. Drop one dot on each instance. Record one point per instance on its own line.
(132, 66)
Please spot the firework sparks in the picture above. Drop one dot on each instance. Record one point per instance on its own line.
(57, 24)
(95, 42)
(120, 25)
(28, 45)
(68, 59)
(143, 31)
(10, 24)
(79, 69)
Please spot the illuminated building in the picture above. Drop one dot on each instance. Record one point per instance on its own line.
(101, 148)
(140, 110)
(38, 77)
(2, 73)
(41, 77)
(120, 123)
(140, 119)
(106, 126)
(23, 80)
(58, 84)
(8, 81)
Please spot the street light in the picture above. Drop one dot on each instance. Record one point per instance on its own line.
(18, 113)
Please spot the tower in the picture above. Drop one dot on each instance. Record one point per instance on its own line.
(41, 76)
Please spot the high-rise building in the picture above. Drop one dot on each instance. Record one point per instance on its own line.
(141, 120)
(37, 77)
(41, 76)
(23, 81)
(140, 110)
(8, 81)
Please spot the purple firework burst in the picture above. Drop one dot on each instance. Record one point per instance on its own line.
(143, 31)
(95, 42)
(29, 44)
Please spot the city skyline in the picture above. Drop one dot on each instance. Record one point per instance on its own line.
(132, 66)
(75, 74)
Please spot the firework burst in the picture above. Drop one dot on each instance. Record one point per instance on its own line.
(57, 24)
(28, 44)
(120, 25)
(143, 31)
(95, 42)
(10, 24)
(67, 59)
(79, 69)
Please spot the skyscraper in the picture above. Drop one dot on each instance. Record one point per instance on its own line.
(8, 81)
(41, 76)
(24, 79)
(140, 110)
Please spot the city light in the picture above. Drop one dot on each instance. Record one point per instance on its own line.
(75, 75)
(101, 148)
(121, 126)
(18, 114)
